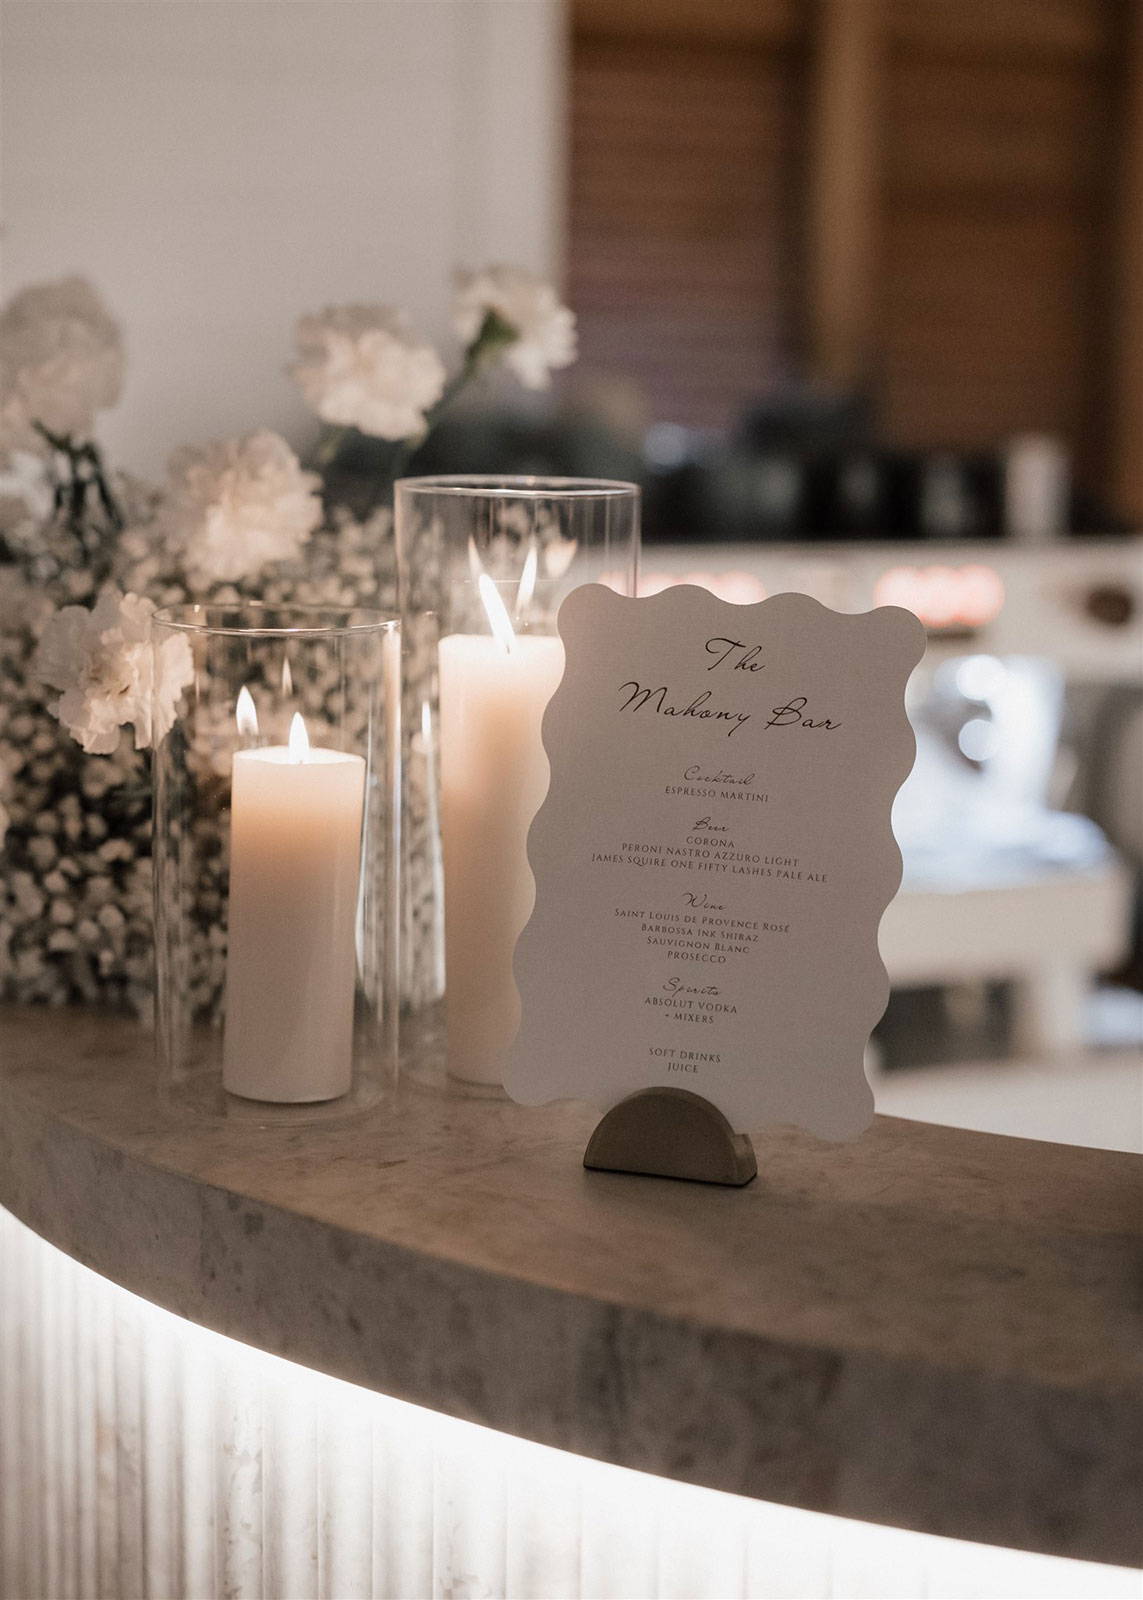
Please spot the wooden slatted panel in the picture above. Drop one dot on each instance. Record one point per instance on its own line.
(1068, 29)
(685, 170)
(1000, 137)
(737, 21)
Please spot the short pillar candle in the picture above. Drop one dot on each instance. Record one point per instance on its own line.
(295, 851)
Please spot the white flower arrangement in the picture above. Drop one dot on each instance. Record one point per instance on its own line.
(109, 673)
(362, 367)
(238, 520)
(61, 361)
(539, 331)
(75, 878)
(235, 505)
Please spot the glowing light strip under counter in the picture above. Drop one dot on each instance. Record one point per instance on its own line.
(141, 1455)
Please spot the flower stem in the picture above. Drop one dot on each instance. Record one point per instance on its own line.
(493, 336)
(331, 441)
(492, 339)
(85, 473)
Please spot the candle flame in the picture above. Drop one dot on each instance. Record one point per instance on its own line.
(287, 677)
(527, 585)
(299, 742)
(498, 619)
(246, 714)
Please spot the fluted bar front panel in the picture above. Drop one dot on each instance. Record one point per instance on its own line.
(144, 1458)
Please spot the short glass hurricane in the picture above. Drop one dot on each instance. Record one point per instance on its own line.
(276, 851)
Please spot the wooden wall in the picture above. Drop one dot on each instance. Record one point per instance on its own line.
(683, 216)
(997, 204)
(932, 199)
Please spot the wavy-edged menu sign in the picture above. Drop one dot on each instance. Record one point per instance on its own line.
(714, 855)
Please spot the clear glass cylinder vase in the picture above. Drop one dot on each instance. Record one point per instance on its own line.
(276, 852)
(483, 565)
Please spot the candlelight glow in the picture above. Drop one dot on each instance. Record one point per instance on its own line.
(287, 677)
(246, 714)
(299, 741)
(739, 588)
(498, 619)
(944, 597)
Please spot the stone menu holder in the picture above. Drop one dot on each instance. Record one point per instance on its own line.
(671, 1133)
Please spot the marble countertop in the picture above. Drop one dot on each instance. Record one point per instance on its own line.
(926, 1327)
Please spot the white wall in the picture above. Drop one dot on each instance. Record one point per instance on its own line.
(219, 166)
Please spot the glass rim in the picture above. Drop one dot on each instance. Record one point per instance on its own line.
(315, 622)
(524, 486)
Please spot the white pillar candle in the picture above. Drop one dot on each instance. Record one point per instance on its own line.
(494, 774)
(295, 850)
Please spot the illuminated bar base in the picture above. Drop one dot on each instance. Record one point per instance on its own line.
(141, 1455)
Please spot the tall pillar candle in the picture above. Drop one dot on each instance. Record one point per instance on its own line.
(295, 850)
(494, 774)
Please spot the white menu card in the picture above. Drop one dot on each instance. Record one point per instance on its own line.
(714, 855)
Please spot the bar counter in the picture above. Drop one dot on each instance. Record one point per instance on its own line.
(927, 1328)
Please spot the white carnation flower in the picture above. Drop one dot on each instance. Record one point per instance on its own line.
(61, 361)
(236, 504)
(361, 367)
(545, 329)
(109, 672)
